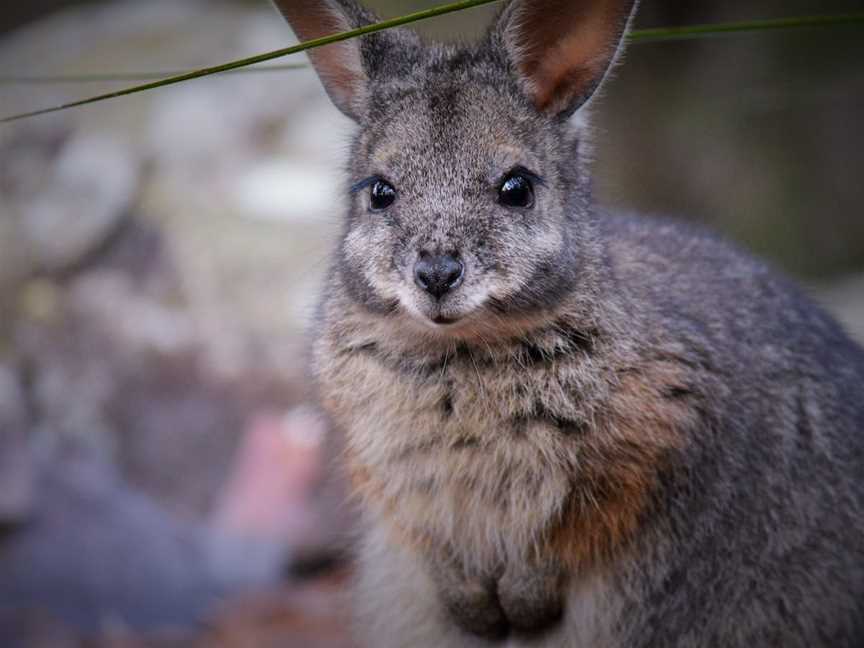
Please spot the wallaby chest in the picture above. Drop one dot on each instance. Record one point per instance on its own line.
(465, 443)
(549, 441)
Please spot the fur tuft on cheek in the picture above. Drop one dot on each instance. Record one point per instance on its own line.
(527, 271)
(368, 270)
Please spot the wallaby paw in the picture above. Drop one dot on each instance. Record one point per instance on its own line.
(475, 608)
(531, 616)
(533, 602)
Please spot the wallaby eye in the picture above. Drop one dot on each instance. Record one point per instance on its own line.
(516, 191)
(381, 195)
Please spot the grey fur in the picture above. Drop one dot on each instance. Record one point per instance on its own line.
(470, 443)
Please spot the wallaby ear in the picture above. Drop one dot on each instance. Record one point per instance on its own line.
(562, 49)
(339, 65)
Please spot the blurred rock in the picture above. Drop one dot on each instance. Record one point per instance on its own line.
(241, 169)
(130, 319)
(86, 195)
(98, 554)
(13, 415)
(34, 629)
(17, 505)
(64, 195)
(16, 457)
(284, 189)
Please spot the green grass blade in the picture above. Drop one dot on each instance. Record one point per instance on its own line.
(129, 77)
(657, 35)
(260, 58)
(664, 34)
(661, 34)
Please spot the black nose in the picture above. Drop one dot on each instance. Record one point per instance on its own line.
(439, 274)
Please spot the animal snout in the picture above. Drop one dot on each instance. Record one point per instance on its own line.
(438, 274)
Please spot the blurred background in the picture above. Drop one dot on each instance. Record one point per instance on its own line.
(163, 480)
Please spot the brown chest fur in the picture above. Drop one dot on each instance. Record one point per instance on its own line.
(542, 445)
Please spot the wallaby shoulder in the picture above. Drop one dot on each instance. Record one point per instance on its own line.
(772, 475)
(699, 285)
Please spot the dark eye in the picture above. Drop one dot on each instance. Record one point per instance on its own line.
(381, 195)
(516, 191)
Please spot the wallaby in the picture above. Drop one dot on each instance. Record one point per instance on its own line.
(565, 427)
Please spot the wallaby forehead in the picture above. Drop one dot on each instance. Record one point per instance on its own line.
(461, 126)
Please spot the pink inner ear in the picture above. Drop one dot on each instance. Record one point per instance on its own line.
(340, 72)
(339, 65)
(565, 46)
(569, 70)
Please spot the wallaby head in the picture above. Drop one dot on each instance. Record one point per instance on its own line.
(469, 200)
